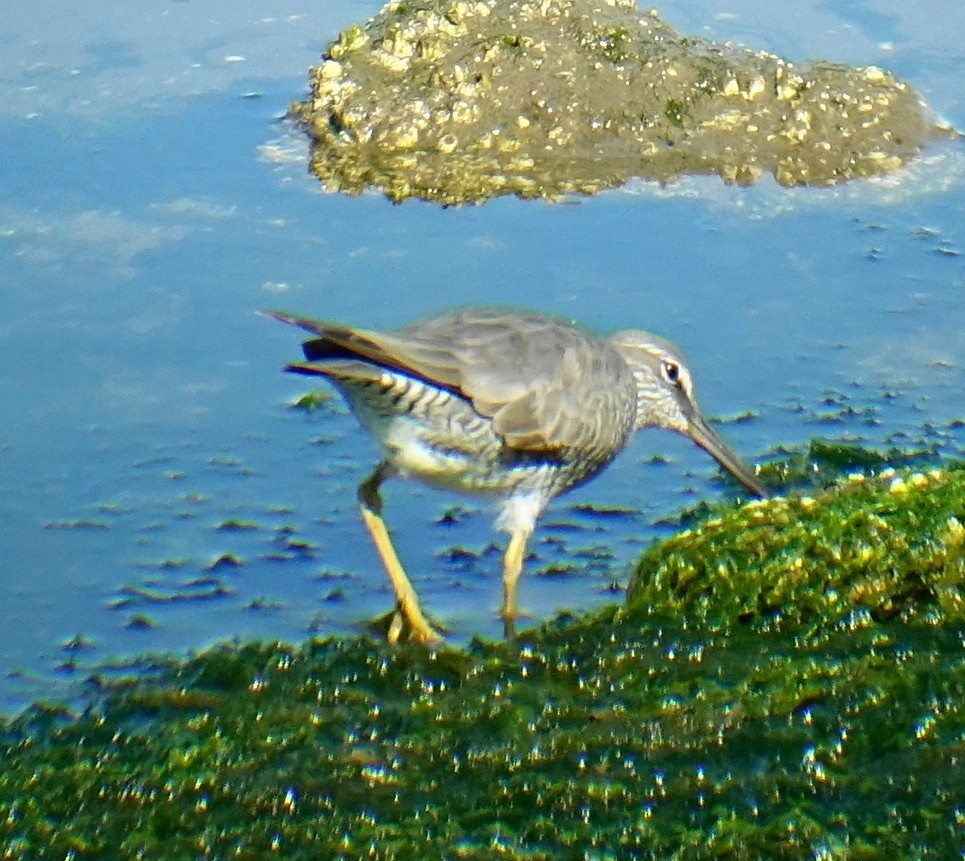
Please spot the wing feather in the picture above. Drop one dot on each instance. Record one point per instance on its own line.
(548, 386)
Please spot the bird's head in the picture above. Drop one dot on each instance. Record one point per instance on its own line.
(665, 398)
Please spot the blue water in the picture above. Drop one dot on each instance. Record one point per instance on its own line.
(157, 493)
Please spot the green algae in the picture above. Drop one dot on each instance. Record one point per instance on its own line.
(742, 704)
(311, 401)
(821, 463)
(458, 101)
(874, 548)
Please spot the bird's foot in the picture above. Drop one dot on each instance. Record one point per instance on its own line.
(398, 628)
(412, 630)
(509, 622)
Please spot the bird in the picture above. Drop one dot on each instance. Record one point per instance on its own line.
(511, 404)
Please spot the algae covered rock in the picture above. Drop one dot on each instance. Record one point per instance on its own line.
(876, 548)
(462, 100)
(741, 706)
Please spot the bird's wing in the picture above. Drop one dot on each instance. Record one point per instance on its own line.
(335, 342)
(547, 386)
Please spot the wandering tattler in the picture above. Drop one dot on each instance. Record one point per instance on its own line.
(509, 404)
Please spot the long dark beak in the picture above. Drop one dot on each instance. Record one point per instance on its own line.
(706, 437)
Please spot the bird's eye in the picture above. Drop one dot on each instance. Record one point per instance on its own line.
(671, 372)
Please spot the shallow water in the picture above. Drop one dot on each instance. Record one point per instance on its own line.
(156, 491)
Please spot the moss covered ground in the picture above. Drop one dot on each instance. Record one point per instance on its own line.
(785, 680)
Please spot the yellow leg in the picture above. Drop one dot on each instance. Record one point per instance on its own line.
(512, 566)
(406, 600)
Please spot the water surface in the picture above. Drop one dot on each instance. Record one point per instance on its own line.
(157, 493)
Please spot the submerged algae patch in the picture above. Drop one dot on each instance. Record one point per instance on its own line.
(462, 100)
